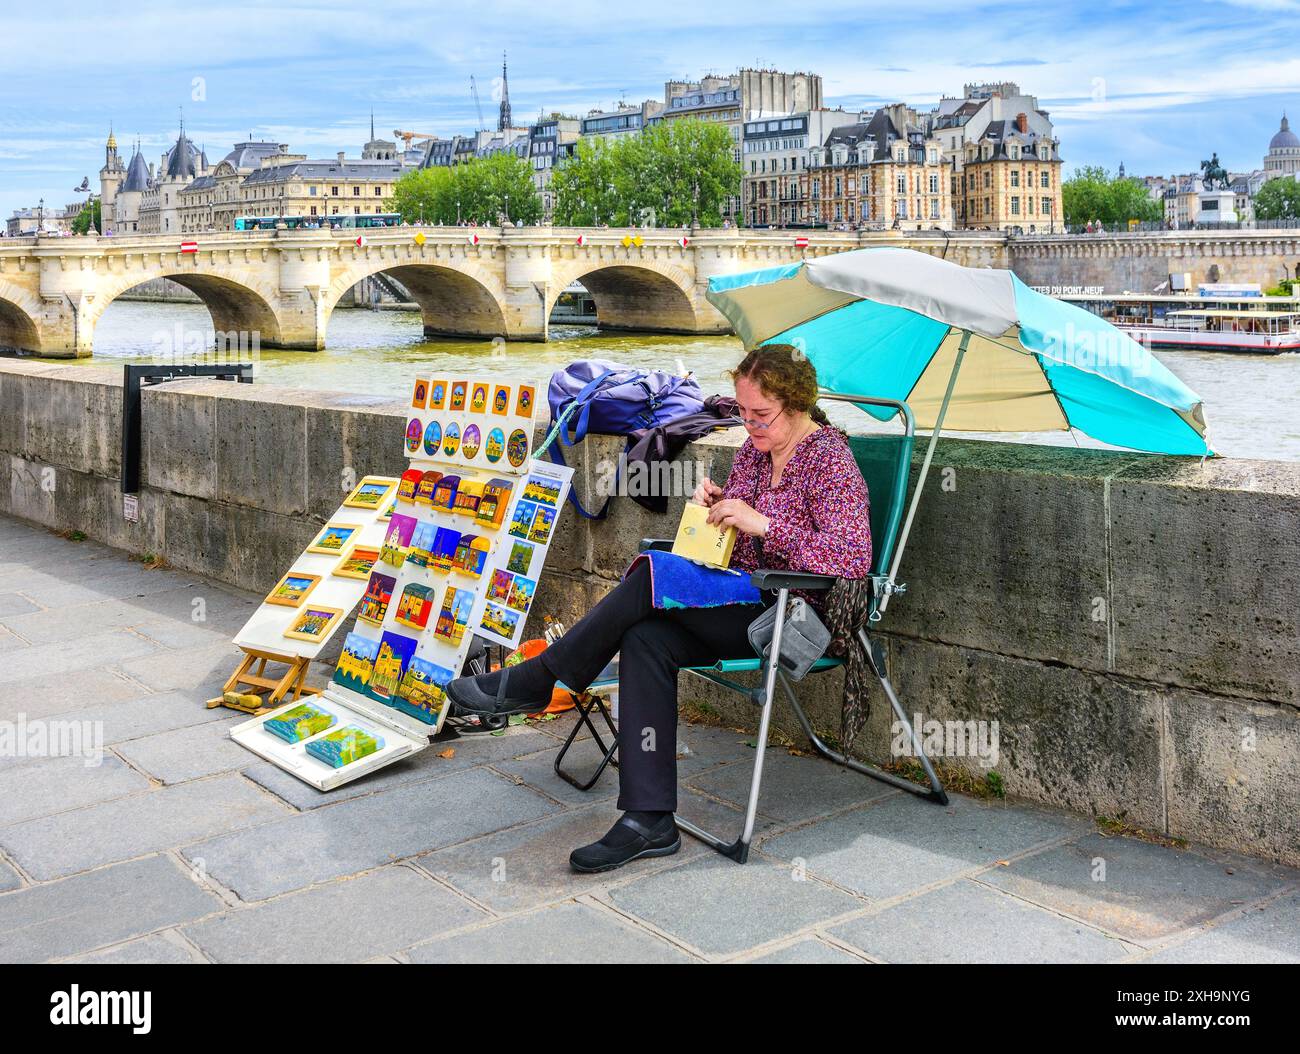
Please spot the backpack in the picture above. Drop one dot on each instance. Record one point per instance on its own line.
(607, 398)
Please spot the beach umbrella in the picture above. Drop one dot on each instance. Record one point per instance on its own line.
(969, 349)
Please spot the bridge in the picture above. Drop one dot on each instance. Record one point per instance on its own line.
(280, 287)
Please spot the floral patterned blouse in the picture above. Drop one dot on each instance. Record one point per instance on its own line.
(819, 513)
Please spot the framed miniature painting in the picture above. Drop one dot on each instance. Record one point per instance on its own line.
(292, 589)
(313, 623)
(334, 538)
(358, 563)
(370, 493)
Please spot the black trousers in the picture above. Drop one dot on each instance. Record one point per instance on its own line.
(652, 644)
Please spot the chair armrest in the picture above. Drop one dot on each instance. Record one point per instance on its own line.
(791, 580)
(648, 544)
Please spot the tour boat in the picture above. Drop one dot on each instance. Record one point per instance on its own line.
(1251, 325)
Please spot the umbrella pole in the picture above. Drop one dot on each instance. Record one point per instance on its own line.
(925, 471)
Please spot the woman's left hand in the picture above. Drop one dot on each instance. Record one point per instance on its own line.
(733, 512)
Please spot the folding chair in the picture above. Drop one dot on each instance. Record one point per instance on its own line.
(885, 462)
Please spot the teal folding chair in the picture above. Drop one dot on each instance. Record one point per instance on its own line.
(885, 462)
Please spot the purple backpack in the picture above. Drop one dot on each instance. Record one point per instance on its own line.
(607, 398)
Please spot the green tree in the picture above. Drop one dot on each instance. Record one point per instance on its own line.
(89, 214)
(674, 172)
(477, 191)
(1093, 194)
(1278, 199)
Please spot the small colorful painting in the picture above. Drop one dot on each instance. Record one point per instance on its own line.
(420, 551)
(420, 394)
(497, 619)
(471, 555)
(423, 690)
(414, 430)
(499, 587)
(370, 493)
(524, 401)
(450, 439)
(454, 616)
(492, 505)
(517, 447)
(542, 489)
(314, 623)
(358, 563)
(414, 606)
(458, 389)
(398, 539)
(334, 538)
(384, 516)
(521, 593)
(432, 438)
(468, 495)
(292, 589)
(444, 549)
(470, 442)
(395, 653)
(410, 482)
(437, 394)
(444, 494)
(540, 531)
(478, 401)
(375, 601)
(501, 400)
(496, 445)
(521, 556)
(356, 662)
(428, 483)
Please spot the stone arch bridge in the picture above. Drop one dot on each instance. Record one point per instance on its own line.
(282, 286)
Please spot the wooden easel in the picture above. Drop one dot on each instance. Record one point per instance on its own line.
(254, 692)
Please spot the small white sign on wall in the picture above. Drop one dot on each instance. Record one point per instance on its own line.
(131, 508)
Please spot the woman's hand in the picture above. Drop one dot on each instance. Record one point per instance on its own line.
(706, 493)
(733, 512)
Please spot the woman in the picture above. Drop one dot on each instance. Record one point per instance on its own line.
(798, 502)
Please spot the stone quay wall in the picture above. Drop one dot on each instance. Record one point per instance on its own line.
(1129, 621)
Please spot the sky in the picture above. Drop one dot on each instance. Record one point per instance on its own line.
(1158, 85)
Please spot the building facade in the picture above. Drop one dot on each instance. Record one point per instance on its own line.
(1283, 157)
(775, 154)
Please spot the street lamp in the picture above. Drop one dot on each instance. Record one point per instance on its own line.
(458, 212)
(507, 197)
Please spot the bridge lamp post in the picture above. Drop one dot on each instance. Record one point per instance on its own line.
(507, 197)
(457, 212)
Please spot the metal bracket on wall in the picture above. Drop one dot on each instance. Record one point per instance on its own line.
(133, 377)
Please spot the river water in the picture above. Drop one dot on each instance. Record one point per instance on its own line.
(1252, 402)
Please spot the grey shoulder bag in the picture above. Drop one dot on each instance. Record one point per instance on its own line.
(804, 637)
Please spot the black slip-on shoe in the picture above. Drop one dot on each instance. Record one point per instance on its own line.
(662, 839)
(469, 697)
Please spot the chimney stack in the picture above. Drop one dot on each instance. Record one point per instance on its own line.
(340, 157)
(1022, 123)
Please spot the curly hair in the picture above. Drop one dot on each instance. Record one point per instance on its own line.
(783, 372)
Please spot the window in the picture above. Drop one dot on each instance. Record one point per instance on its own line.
(988, 180)
(934, 208)
(356, 210)
(313, 209)
(379, 192)
(1015, 177)
(334, 192)
(902, 184)
(1045, 179)
(356, 192)
(934, 183)
(1015, 205)
(1047, 206)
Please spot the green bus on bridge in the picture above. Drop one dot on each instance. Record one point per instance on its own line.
(270, 223)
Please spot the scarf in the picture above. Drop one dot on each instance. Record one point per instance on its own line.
(848, 605)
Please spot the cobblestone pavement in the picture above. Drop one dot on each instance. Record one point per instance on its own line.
(180, 846)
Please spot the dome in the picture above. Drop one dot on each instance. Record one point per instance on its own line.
(1285, 138)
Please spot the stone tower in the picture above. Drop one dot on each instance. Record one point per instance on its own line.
(110, 179)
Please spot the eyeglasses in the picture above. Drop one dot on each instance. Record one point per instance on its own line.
(754, 422)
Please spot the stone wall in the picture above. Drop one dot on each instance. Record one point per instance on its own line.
(1129, 621)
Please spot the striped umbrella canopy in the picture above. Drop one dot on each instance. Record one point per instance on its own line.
(969, 349)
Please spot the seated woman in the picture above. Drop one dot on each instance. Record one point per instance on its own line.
(798, 502)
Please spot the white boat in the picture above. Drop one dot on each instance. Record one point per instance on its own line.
(1249, 325)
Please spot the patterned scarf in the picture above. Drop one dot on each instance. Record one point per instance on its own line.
(847, 606)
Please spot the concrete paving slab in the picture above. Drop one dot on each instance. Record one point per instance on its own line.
(54, 785)
(162, 818)
(723, 908)
(188, 753)
(903, 843)
(373, 914)
(1268, 934)
(143, 714)
(157, 949)
(808, 951)
(794, 788)
(1138, 890)
(58, 919)
(364, 833)
(568, 933)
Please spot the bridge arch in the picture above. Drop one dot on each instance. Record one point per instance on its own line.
(242, 312)
(634, 295)
(20, 327)
(456, 299)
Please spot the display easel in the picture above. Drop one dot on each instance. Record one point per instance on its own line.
(271, 692)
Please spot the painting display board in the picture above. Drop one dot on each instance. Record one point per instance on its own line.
(460, 556)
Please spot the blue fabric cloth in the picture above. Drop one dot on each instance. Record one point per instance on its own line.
(680, 583)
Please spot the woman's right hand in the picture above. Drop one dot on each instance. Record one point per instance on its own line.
(706, 493)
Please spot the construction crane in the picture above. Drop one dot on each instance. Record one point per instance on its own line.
(409, 137)
(473, 88)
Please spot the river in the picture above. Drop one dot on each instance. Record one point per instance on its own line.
(1252, 402)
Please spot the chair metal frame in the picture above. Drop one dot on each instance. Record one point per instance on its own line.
(884, 585)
